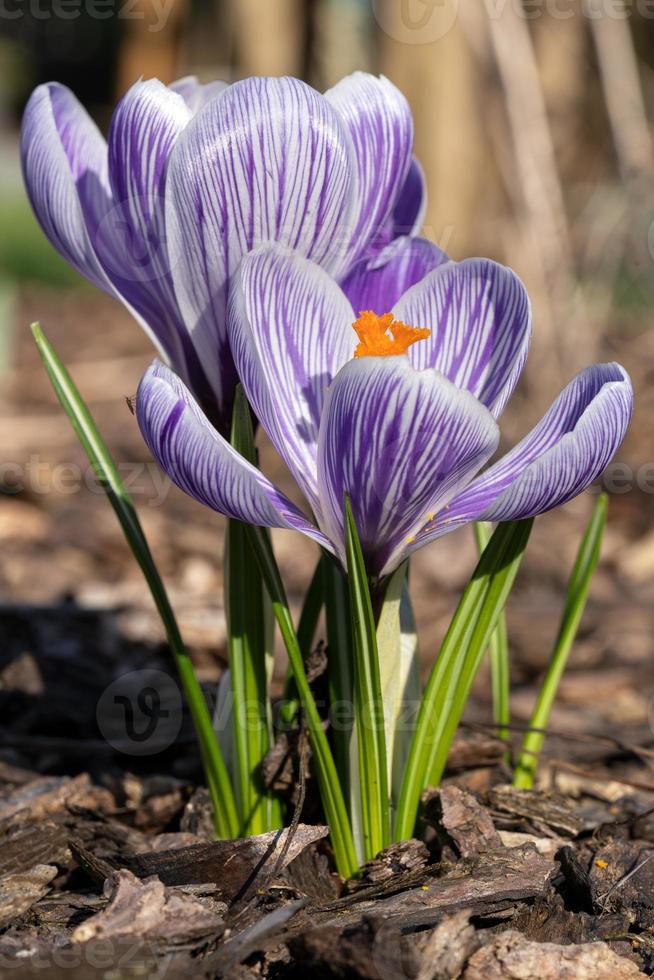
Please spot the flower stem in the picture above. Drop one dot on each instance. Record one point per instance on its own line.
(328, 781)
(222, 797)
(575, 603)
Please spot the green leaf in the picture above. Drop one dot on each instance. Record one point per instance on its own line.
(368, 704)
(399, 673)
(328, 781)
(224, 809)
(246, 631)
(340, 656)
(499, 652)
(460, 655)
(576, 596)
(306, 630)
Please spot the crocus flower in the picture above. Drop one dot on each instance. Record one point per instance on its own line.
(192, 177)
(399, 412)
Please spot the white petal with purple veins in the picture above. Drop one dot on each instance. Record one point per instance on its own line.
(268, 161)
(64, 159)
(132, 240)
(196, 94)
(203, 464)
(401, 442)
(480, 318)
(556, 461)
(411, 205)
(378, 119)
(377, 284)
(290, 333)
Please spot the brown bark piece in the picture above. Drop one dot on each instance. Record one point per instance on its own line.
(544, 812)
(464, 821)
(19, 892)
(48, 795)
(512, 957)
(448, 948)
(148, 908)
(400, 858)
(232, 864)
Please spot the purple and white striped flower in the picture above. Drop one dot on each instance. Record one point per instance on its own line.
(404, 430)
(192, 177)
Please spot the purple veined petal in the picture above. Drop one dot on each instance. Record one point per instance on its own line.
(556, 461)
(203, 464)
(378, 119)
(268, 161)
(291, 332)
(377, 284)
(402, 443)
(64, 161)
(65, 167)
(196, 94)
(411, 206)
(131, 240)
(480, 320)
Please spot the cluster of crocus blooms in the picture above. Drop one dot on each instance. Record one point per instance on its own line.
(276, 230)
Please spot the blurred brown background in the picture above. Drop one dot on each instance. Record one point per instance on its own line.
(533, 124)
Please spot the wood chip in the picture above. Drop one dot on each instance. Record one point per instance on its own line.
(49, 795)
(232, 864)
(407, 855)
(147, 909)
(462, 821)
(512, 957)
(19, 892)
(544, 812)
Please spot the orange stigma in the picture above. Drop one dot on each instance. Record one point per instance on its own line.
(374, 340)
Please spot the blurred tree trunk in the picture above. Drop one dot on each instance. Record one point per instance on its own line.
(623, 94)
(444, 82)
(342, 40)
(269, 36)
(562, 48)
(150, 48)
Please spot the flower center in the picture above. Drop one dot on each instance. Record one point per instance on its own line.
(374, 340)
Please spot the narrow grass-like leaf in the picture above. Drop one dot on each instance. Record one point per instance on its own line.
(222, 798)
(259, 810)
(340, 663)
(399, 672)
(453, 673)
(328, 781)
(499, 652)
(575, 602)
(368, 704)
(311, 608)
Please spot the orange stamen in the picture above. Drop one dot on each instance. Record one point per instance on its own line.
(373, 333)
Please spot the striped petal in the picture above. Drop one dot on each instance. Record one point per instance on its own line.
(560, 458)
(268, 161)
(402, 443)
(203, 464)
(66, 172)
(132, 240)
(378, 119)
(377, 284)
(411, 205)
(480, 318)
(64, 160)
(291, 332)
(194, 93)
